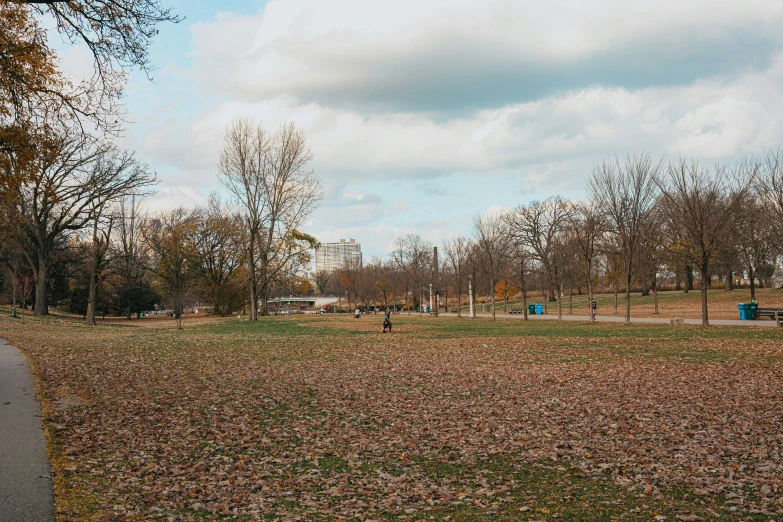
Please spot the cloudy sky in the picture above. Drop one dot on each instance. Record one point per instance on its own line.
(421, 114)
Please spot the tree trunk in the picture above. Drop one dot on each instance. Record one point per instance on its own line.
(752, 277)
(253, 299)
(628, 299)
(655, 296)
(570, 300)
(524, 304)
(705, 321)
(459, 303)
(616, 298)
(92, 300)
(178, 313)
(14, 288)
(590, 300)
(729, 281)
(41, 307)
(560, 304)
(688, 279)
(677, 281)
(493, 300)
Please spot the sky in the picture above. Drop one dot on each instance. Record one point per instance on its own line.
(423, 114)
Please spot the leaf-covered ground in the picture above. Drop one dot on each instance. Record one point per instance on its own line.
(310, 418)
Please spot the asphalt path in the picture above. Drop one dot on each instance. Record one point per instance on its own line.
(621, 319)
(25, 476)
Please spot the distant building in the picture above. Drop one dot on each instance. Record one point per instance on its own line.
(331, 256)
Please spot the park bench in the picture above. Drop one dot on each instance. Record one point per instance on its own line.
(515, 311)
(776, 314)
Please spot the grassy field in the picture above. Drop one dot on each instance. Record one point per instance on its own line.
(722, 304)
(326, 418)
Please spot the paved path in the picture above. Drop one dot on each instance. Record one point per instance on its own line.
(621, 318)
(25, 476)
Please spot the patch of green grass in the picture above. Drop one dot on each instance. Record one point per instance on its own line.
(450, 327)
(521, 490)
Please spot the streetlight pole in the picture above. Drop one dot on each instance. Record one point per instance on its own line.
(470, 295)
(431, 308)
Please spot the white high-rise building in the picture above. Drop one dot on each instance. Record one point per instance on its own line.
(331, 256)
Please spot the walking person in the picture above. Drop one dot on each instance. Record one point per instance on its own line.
(387, 322)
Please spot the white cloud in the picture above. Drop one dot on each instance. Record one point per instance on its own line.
(172, 197)
(456, 54)
(422, 93)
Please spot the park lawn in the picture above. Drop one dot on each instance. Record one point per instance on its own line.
(326, 418)
(721, 304)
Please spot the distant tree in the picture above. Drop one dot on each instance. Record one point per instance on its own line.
(540, 227)
(217, 243)
(751, 235)
(131, 180)
(701, 201)
(269, 179)
(413, 258)
(321, 279)
(130, 259)
(520, 265)
(456, 253)
(626, 193)
(491, 238)
(586, 227)
(173, 256)
(770, 188)
(136, 298)
(384, 281)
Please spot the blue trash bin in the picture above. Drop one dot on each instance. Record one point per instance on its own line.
(539, 309)
(743, 311)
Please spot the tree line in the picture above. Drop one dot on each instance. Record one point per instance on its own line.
(642, 220)
(74, 231)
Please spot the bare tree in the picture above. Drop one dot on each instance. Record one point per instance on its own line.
(539, 227)
(770, 187)
(270, 181)
(167, 236)
(587, 226)
(413, 256)
(217, 241)
(129, 255)
(491, 237)
(456, 253)
(626, 194)
(701, 201)
(133, 179)
(322, 279)
(54, 194)
(245, 163)
(520, 266)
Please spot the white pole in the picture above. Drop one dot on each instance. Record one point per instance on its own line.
(470, 296)
(431, 308)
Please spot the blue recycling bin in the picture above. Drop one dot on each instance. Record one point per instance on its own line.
(743, 311)
(539, 309)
